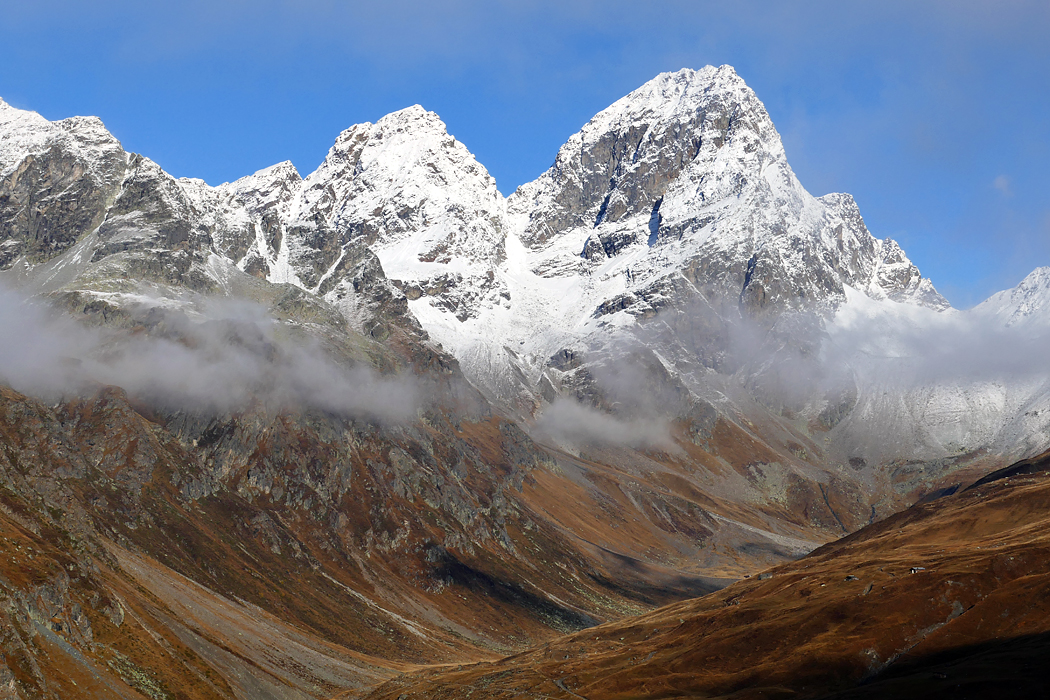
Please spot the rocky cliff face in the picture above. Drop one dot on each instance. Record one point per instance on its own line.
(56, 181)
(688, 170)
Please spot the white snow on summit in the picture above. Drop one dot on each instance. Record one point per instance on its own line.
(686, 177)
(24, 133)
(675, 197)
(1027, 303)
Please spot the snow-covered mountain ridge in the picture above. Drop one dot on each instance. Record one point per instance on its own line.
(685, 163)
(670, 219)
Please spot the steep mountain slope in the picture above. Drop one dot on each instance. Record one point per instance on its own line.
(946, 599)
(283, 555)
(690, 165)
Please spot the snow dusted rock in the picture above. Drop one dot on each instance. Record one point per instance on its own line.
(247, 218)
(896, 278)
(623, 160)
(151, 231)
(418, 198)
(56, 180)
(688, 175)
(77, 211)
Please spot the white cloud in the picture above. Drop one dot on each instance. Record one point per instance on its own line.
(571, 423)
(237, 356)
(1002, 183)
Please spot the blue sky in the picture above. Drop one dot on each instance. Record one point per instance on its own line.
(934, 115)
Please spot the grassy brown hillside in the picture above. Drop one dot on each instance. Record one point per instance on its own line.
(947, 599)
(285, 555)
(272, 555)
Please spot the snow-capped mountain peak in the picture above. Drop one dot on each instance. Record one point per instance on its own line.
(81, 166)
(21, 132)
(24, 133)
(629, 155)
(417, 196)
(678, 194)
(405, 170)
(267, 187)
(1027, 303)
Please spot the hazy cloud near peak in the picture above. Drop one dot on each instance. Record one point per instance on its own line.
(929, 348)
(230, 359)
(803, 359)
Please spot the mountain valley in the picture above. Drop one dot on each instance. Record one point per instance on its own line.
(382, 431)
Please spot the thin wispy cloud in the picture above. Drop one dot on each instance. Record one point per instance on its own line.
(573, 424)
(1002, 183)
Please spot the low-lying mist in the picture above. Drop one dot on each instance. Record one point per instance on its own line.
(925, 365)
(930, 347)
(571, 423)
(227, 357)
